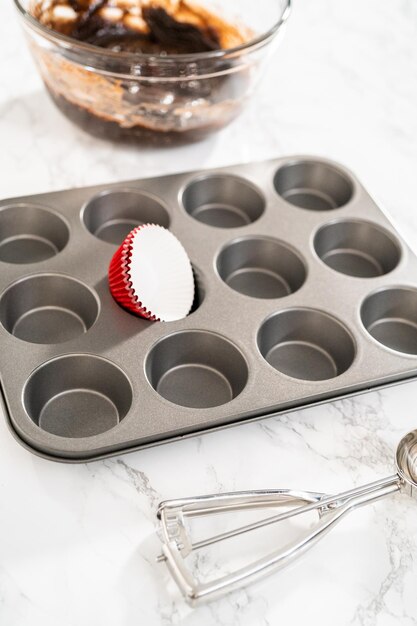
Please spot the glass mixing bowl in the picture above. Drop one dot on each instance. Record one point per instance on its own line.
(157, 97)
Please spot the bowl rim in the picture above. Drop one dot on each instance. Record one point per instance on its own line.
(69, 42)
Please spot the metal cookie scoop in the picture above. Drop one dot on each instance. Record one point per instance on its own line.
(177, 543)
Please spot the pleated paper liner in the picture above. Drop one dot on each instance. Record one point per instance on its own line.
(150, 275)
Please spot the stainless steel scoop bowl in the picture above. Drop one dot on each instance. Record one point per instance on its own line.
(407, 464)
(177, 543)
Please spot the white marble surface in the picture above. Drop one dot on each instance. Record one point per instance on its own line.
(77, 543)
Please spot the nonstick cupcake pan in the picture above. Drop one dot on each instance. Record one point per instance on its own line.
(305, 293)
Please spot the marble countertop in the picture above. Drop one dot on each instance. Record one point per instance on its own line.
(77, 542)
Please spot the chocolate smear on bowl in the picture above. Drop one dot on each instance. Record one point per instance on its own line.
(135, 27)
(166, 35)
(167, 32)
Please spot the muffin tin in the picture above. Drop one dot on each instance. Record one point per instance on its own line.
(305, 293)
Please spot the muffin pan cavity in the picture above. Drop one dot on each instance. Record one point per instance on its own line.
(48, 308)
(306, 344)
(293, 307)
(77, 396)
(357, 248)
(390, 316)
(30, 234)
(313, 185)
(196, 369)
(112, 214)
(261, 267)
(223, 201)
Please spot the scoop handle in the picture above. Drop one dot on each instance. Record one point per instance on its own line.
(331, 508)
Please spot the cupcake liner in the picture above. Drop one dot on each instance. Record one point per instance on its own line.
(151, 275)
